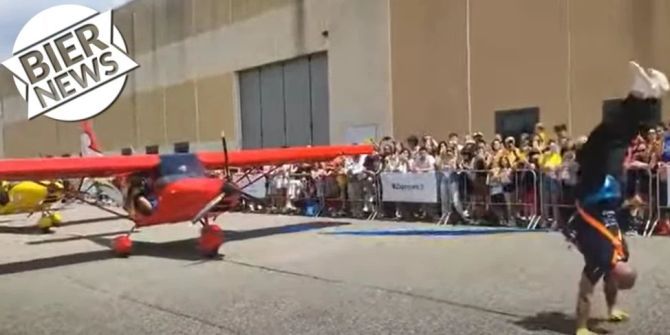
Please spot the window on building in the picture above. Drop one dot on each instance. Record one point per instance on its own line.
(151, 149)
(181, 147)
(286, 103)
(514, 122)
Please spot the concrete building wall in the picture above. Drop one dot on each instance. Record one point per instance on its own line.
(457, 62)
(405, 67)
(189, 53)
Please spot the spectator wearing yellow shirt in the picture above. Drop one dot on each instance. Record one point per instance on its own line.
(513, 154)
(550, 164)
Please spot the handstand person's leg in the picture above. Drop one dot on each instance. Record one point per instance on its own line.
(611, 291)
(584, 299)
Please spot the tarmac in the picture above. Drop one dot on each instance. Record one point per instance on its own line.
(304, 275)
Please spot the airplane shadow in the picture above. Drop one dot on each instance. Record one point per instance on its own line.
(180, 249)
(34, 230)
(87, 221)
(558, 322)
(21, 230)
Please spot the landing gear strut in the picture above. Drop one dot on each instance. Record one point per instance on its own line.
(211, 239)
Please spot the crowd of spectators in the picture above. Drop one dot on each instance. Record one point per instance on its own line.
(500, 180)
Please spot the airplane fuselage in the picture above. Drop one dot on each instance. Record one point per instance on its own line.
(180, 200)
(26, 197)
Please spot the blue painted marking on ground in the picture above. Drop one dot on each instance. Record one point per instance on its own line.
(430, 232)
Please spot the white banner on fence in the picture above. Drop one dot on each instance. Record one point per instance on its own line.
(257, 189)
(409, 187)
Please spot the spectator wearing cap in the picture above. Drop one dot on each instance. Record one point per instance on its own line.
(511, 151)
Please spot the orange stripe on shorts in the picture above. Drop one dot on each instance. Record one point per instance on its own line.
(600, 227)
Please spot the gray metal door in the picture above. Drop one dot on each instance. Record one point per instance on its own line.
(297, 102)
(273, 120)
(285, 104)
(250, 109)
(318, 68)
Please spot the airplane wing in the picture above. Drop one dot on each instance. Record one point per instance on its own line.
(74, 167)
(259, 157)
(107, 166)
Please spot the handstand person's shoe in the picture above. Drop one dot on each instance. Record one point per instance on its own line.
(643, 86)
(661, 81)
(617, 315)
(584, 331)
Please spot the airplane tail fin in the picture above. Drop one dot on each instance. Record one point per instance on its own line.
(89, 142)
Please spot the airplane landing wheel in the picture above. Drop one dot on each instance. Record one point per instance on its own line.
(56, 218)
(45, 223)
(211, 239)
(122, 245)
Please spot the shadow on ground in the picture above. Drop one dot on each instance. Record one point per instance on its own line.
(185, 249)
(558, 322)
(35, 230)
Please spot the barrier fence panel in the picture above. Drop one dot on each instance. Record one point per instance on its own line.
(409, 187)
(641, 194)
(521, 197)
(507, 197)
(468, 195)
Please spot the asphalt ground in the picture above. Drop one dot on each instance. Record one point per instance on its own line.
(300, 275)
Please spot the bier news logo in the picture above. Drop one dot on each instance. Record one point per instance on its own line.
(70, 63)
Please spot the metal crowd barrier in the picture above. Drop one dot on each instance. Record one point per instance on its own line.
(313, 194)
(528, 198)
(468, 194)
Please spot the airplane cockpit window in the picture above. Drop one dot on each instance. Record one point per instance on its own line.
(182, 165)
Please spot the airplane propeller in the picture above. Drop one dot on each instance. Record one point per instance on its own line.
(229, 188)
(226, 166)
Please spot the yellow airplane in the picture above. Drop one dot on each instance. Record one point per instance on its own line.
(31, 197)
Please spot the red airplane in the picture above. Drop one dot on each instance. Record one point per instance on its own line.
(178, 185)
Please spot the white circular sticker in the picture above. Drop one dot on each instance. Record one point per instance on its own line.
(70, 63)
